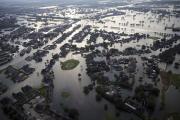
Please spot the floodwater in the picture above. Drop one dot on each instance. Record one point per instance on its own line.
(67, 81)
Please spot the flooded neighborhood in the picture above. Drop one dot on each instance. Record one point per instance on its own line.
(90, 60)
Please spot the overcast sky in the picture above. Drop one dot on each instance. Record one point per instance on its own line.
(62, 1)
(65, 0)
(57, 2)
(52, 1)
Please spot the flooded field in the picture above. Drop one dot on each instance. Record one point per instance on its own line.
(129, 58)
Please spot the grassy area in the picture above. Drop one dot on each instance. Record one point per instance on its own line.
(175, 79)
(69, 64)
(174, 116)
(110, 116)
(65, 94)
(43, 91)
(170, 78)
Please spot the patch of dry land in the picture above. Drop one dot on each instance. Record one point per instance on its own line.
(69, 64)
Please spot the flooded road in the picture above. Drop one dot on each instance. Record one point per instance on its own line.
(68, 81)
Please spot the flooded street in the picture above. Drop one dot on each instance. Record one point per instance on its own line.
(128, 60)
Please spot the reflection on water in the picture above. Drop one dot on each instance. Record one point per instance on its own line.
(132, 22)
